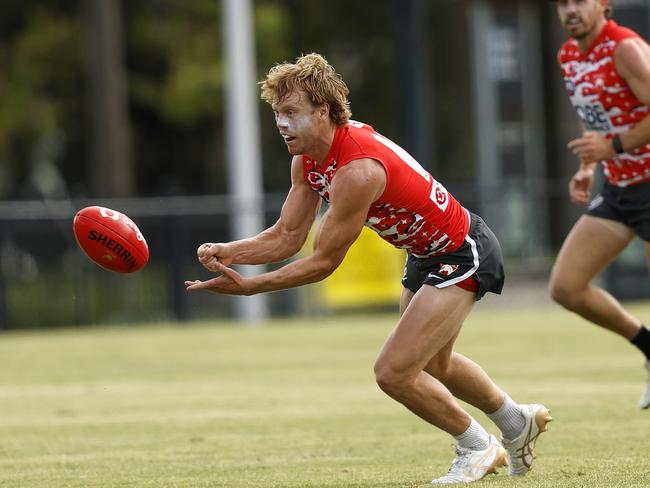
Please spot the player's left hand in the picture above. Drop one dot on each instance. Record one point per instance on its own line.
(230, 282)
(592, 146)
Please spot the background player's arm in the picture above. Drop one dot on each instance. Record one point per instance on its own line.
(280, 241)
(580, 183)
(353, 190)
(633, 64)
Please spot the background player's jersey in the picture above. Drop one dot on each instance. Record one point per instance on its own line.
(415, 212)
(604, 101)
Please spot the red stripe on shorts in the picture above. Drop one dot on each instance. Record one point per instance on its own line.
(469, 284)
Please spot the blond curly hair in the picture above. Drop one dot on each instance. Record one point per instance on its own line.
(313, 75)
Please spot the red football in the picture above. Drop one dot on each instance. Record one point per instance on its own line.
(110, 239)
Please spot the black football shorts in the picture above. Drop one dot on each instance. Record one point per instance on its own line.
(628, 205)
(479, 257)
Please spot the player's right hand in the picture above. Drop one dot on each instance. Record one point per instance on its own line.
(579, 186)
(211, 253)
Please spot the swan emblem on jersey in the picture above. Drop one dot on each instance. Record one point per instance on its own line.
(440, 196)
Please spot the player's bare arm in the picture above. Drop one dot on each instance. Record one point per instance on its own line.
(633, 63)
(280, 241)
(632, 58)
(580, 182)
(355, 187)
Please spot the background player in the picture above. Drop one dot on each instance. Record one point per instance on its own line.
(606, 69)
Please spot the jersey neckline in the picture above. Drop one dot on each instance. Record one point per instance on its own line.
(611, 24)
(336, 143)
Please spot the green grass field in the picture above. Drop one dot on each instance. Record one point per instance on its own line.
(294, 404)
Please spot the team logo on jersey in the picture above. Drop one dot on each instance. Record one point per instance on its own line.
(439, 195)
(447, 269)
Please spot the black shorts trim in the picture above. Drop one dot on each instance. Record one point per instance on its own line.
(628, 205)
(479, 256)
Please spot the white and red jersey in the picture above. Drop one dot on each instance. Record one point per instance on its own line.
(604, 101)
(415, 212)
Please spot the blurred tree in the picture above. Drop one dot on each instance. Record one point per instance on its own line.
(452, 88)
(173, 52)
(176, 82)
(40, 82)
(111, 162)
(356, 37)
(175, 56)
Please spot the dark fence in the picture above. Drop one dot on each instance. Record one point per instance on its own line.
(47, 281)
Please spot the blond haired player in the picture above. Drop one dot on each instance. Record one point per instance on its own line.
(453, 260)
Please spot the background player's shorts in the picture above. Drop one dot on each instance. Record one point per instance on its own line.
(478, 259)
(628, 205)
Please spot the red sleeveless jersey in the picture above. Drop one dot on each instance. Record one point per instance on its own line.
(604, 101)
(415, 212)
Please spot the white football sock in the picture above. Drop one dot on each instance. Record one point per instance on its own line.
(508, 418)
(475, 437)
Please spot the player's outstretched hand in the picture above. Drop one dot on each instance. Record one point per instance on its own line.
(211, 253)
(230, 282)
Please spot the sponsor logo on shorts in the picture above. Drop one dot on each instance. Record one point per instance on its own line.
(447, 269)
(596, 202)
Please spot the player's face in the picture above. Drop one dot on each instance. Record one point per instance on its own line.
(580, 17)
(299, 122)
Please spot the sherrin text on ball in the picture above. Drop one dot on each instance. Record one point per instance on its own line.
(110, 239)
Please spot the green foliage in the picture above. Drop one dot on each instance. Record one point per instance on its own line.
(272, 31)
(175, 59)
(176, 55)
(175, 82)
(40, 74)
(295, 405)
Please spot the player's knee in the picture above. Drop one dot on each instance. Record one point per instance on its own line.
(563, 294)
(391, 381)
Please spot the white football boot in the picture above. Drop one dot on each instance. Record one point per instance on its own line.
(470, 465)
(644, 403)
(521, 449)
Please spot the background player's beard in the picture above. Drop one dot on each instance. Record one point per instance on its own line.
(582, 33)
